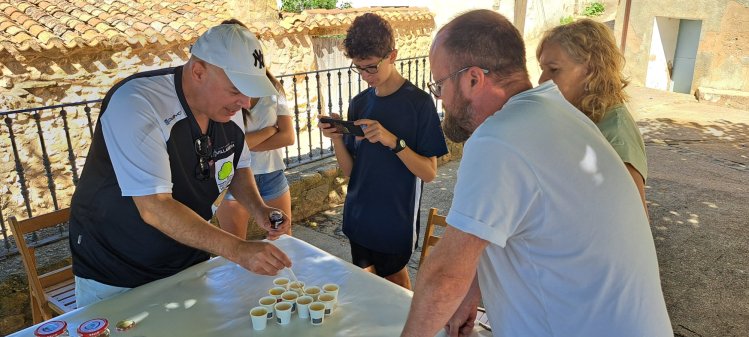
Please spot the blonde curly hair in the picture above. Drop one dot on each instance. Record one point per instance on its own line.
(592, 43)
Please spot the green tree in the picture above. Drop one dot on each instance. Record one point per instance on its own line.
(594, 9)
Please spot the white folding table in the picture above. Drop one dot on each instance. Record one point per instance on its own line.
(214, 298)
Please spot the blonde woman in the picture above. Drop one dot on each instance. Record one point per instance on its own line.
(584, 62)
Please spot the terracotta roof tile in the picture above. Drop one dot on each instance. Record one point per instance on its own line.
(45, 37)
(68, 24)
(317, 18)
(36, 29)
(5, 24)
(23, 6)
(13, 30)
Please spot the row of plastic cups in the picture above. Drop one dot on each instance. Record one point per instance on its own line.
(296, 301)
(287, 284)
(279, 292)
(298, 286)
(305, 307)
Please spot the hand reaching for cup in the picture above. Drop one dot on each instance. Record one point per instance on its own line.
(260, 257)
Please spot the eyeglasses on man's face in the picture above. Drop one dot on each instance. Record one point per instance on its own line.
(436, 86)
(204, 149)
(373, 69)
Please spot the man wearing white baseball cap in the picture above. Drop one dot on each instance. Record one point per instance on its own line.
(238, 53)
(167, 143)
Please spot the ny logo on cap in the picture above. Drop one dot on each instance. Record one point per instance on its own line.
(258, 55)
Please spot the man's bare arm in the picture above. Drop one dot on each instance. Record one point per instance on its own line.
(441, 275)
(182, 224)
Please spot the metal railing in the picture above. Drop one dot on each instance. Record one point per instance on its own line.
(44, 172)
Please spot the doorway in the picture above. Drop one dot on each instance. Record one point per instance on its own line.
(673, 54)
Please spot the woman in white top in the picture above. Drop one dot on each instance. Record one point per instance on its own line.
(268, 129)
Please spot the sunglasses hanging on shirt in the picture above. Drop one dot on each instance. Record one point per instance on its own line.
(204, 149)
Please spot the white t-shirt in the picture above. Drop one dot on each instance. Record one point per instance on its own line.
(265, 113)
(139, 125)
(570, 250)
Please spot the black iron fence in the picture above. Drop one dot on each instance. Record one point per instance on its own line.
(45, 148)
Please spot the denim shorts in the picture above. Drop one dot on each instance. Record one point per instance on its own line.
(89, 291)
(270, 185)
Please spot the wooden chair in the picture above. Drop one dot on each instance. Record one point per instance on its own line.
(53, 291)
(430, 239)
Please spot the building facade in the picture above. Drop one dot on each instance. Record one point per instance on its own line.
(694, 47)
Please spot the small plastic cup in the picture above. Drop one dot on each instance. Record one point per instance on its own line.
(268, 302)
(316, 313)
(277, 292)
(302, 306)
(259, 318)
(331, 288)
(297, 286)
(290, 296)
(281, 282)
(329, 301)
(283, 313)
(312, 291)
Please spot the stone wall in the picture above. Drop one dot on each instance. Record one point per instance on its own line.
(314, 188)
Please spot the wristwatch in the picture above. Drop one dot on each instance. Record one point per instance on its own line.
(400, 144)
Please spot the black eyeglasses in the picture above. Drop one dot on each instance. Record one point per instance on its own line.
(204, 149)
(436, 86)
(368, 69)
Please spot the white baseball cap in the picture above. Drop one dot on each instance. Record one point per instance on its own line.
(237, 51)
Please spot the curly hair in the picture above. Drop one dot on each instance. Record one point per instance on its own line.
(369, 35)
(592, 43)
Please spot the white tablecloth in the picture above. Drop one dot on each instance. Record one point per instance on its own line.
(214, 298)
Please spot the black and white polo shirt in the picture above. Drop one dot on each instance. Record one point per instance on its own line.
(144, 145)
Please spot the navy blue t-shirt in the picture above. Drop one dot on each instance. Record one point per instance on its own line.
(382, 204)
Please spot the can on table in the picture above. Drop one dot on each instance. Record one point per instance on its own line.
(97, 327)
(276, 219)
(52, 329)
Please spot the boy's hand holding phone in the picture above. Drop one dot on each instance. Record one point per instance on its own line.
(334, 127)
(328, 129)
(374, 132)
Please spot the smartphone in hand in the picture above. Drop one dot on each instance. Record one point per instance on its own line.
(345, 127)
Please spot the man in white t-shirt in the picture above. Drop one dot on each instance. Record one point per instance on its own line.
(546, 226)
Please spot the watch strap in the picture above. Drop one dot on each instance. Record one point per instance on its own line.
(400, 144)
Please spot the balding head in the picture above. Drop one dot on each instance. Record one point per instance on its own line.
(478, 63)
(482, 38)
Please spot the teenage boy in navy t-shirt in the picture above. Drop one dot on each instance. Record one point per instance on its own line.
(399, 150)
